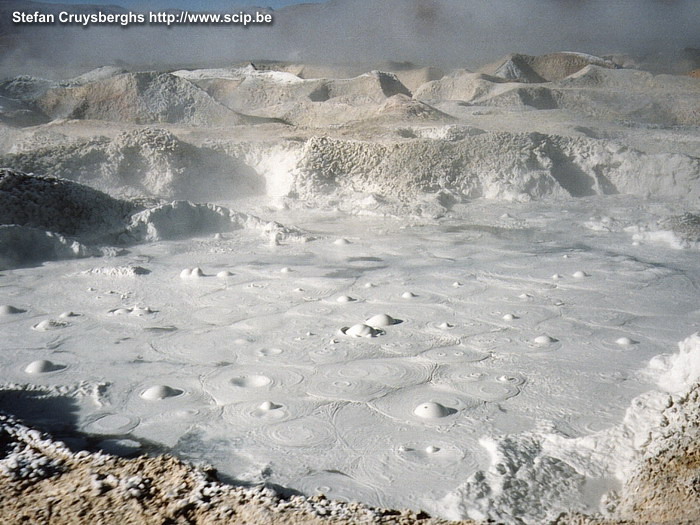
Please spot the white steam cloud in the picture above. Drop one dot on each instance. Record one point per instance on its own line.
(452, 33)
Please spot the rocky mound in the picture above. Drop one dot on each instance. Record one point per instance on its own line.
(630, 80)
(183, 219)
(17, 96)
(496, 165)
(517, 96)
(403, 109)
(619, 95)
(14, 112)
(247, 89)
(29, 89)
(22, 245)
(686, 226)
(94, 75)
(664, 487)
(148, 161)
(630, 95)
(458, 85)
(143, 98)
(77, 160)
(58, 205)
(46, 218)
(371, 88)
(543, 68)
(282, 95)
(410, 75)
(680, 231)
(155, 162)
(180, 219)
(415, 77)
(25, 88)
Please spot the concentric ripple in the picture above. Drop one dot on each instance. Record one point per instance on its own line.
(391, 372)
(421, 461)
(232, 384)
(110, 424)
(490, 391)
(401, 405)
(600, 317)
(254, 353)
(252, 414)
(455, 354)
(306, 432)
(328, 354)
(583, 425)
(338, 486)
(485, 387)
(487, 342)
(217, 315)
(314, 309)
(433, 452)
(207, 347)
(358, 390)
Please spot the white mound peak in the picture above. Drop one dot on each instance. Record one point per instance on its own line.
(160, 392)
(433, 410)
(8, 309)
(362, 330)
(380, 320)
(42, 366)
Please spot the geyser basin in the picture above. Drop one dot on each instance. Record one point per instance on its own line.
(250, 372)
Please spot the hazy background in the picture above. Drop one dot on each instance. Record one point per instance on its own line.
(447, 33)
(192, 5)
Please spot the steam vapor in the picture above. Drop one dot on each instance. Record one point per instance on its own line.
(448, 33)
